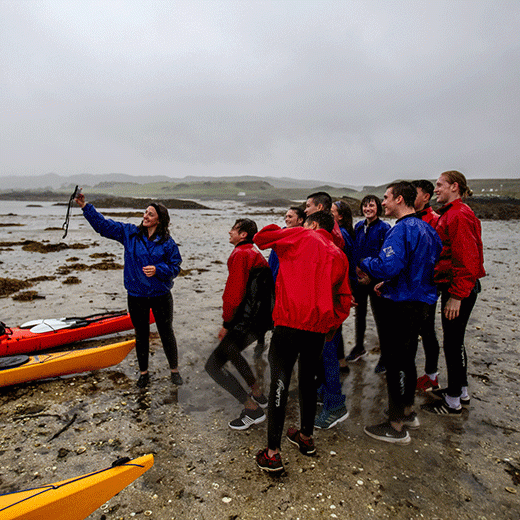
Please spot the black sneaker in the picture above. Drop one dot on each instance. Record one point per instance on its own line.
(441, 408)
(380, 368)
(387, 433)
(306, 445)
(259, 350)
(177, 379)
(355, 355)
(272, 464)
(441, 392)
(410, 421)
(247, 418)
(261, 400)
(143, 380)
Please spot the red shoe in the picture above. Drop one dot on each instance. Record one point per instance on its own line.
(272, 464)
(425, 384)
(306, 445)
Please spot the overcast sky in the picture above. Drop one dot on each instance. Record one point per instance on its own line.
(355, 92)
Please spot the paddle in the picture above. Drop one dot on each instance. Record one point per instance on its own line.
(77, 191)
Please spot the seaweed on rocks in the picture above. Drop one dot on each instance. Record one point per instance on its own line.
(10, 286)
(27, 296)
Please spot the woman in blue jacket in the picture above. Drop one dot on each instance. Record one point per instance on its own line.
(152, 261)
(370, 235)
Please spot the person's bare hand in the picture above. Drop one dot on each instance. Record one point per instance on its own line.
(452, 308)
(222, 333)
(80, 200)
(149, 270)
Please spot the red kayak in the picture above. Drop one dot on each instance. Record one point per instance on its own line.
(43, 334)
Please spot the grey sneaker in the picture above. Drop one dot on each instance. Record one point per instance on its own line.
(247, 418)
(387, 433)
(329, 418)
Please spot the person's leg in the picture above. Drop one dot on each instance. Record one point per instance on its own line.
(430, 341)
(361, 297)
(376, 306)
(162, 308)
(391, 343)
(229, 349)
(340, 345)
(139, 310)
(331, 384)
(311, 348)
(283, 353)
(414, 315)
(453, 343)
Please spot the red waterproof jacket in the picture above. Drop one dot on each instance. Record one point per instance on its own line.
(461, 262)
(429, 216)
(312, 287)
(244, 257)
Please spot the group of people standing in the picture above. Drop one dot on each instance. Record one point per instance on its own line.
(320, 266)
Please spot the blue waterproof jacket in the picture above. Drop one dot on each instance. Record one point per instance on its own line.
(369, 239)
(140, 252)
(349, 251)
(406, 262)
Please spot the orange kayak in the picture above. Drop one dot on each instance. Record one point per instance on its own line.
(49, 333)
(56, 364)
(75, 498)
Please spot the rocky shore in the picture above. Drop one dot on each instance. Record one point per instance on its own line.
(466, 467)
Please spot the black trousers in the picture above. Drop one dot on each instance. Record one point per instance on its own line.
(453, 341)
(162, 308)
(399, 339)
(230, 349)
(289, 345)
(362, 295)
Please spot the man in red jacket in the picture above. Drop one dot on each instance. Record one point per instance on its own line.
(429, 381)
(312, 300)
(235, 335)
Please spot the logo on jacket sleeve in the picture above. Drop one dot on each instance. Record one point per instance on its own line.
(388, 251)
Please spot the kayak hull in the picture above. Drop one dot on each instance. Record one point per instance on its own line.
(75, 498)
(19, 340)
(69, 362)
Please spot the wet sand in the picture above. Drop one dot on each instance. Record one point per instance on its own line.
(454, 468)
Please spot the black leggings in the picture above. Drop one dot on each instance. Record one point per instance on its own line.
(162, 308)
(453, 342)
(430, 342)
(362, 295)
(230, 349)
(287, 346)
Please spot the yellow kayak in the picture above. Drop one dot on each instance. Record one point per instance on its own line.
(60, 363)
(75, 498)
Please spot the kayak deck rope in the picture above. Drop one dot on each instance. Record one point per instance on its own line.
(52, 487)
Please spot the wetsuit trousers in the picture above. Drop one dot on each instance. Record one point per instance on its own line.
(162, 308)
(399, 339)
(430, 341)
(289, 345)
(453, 341)
(230, 349)
(362, 295)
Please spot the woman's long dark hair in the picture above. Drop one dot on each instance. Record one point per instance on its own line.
(162, 230)
(345, 214)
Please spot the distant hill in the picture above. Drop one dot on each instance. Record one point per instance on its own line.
(53, 181)
(494, 198)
